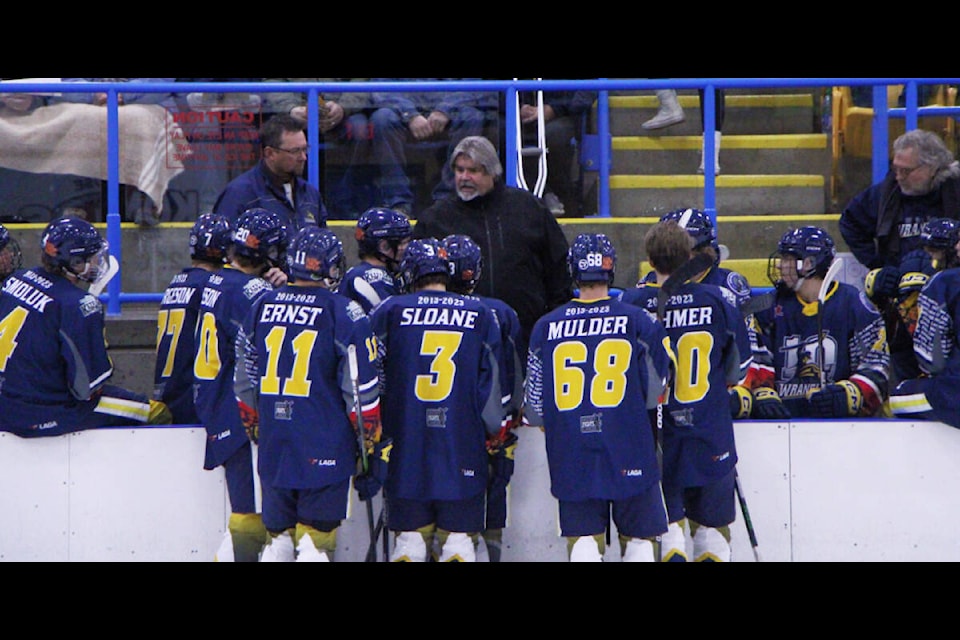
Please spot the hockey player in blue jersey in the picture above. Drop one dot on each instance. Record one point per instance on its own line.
(10, 255)
(709, 336)
(54, 364)
(466, 267)
(440, 359)
(178, 313)
(817, 361)
(938, 238)
(932, 314)
(596, 368)
(292, 376)
(258, 246)
(703, 232)
(382, 237)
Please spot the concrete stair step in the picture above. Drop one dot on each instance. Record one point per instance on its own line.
(766, 113)
(739, 154)
(654, 195)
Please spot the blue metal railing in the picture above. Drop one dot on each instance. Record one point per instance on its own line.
(115, 297)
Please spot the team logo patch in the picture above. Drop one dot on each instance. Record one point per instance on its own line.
(89, 305)
(283, 410)
(437, 418)
(592, 423)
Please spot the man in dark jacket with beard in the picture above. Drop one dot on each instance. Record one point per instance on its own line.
(883, 224)
(523, 247)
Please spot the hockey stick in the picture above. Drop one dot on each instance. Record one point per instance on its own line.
(746, 514)
(698, 263)
(96, 288)
(824, 287)
(364, 464)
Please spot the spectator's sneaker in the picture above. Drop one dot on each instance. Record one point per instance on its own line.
(554, 203)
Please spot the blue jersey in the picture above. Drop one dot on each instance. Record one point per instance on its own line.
(54, 352)
(176, 326)
(441, 392)
(224, 303)
(54, 364)
(935, 340)
(594, 370)
(294, 370)
(853, 338)
(368, 284)
(513, 361)
(708, 335)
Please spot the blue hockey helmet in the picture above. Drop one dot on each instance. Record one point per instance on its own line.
(940, 233)
(592, 258)
(10, 255)
(466, 262)
(209, 238)
(316, 254)
(261, 236)
(380, 223)
(74, 246)
(697, 224)
(423, 257)
(812, 248)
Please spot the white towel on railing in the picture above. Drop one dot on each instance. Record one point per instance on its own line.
(72, 139)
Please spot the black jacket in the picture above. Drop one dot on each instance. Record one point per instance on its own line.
(523, 246)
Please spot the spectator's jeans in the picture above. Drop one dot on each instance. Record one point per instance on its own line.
(345, 193)
(390, 135)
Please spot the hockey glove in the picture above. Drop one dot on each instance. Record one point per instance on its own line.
(741, 402)
(372, 427)
(251, 420)
(881, 284)
(840, 400)
(369, 483)
(501, 449)
(767, 405)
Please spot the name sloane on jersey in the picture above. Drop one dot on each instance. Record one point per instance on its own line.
(26, 294)
(583, 327)
(432, 316)
(688, 317)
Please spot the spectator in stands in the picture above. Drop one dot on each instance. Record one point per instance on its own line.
(932, 395)
(344, 122)
(563, 117)
(827, 360)
(883, 223)
(671, 113)
(601, 445)
(55, 367)
(125, 97)
(382, 237)
(276, 183)
(137, 207)
(524, 247)
(10, 254)
(178, 315)
(401, 118)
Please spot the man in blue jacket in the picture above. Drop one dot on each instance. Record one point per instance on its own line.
(275, 183)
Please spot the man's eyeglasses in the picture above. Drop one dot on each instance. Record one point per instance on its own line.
(296, 152)
(905, 171)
